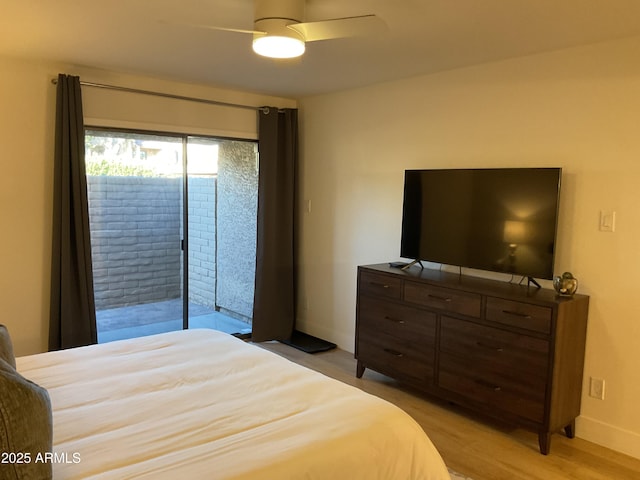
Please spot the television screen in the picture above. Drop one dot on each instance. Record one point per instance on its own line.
(501, 220)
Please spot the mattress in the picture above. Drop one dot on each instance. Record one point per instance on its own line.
(201, 404)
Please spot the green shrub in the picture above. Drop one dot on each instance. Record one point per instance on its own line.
(106, 168)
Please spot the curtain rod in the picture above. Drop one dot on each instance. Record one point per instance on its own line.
(169, 95)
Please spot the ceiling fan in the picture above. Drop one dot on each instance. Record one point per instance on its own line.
(281, 32)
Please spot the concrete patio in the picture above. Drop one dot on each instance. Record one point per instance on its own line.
(158, 317)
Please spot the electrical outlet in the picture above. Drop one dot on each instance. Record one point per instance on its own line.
(596, 388)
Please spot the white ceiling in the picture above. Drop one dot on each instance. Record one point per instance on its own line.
(424, 36)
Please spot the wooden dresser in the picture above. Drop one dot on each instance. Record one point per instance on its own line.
(508, 351)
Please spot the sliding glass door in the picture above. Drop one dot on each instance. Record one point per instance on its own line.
(222, 197)
(172, 221)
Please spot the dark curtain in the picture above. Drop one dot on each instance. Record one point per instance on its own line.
(274, 299)
(73, 316)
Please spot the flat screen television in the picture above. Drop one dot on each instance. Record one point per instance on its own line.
(495, 219)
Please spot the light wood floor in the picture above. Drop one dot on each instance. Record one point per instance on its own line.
(473, 446)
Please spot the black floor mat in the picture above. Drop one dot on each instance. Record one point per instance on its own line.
(308, 343)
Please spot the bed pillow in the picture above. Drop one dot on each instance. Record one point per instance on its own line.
(6, 347)
(26, 426)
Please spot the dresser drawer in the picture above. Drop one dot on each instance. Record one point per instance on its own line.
(397, 320)
(443, 299)
(502, 394)
(492, 365)
(376, 285)
(493, 348)
(399, 359)
(518, 314)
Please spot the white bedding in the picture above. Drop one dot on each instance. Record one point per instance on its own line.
(200, 404)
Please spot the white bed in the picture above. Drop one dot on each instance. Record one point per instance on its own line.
(200, 404)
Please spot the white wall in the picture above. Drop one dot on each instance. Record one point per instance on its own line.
(27, 127)
(578, 109)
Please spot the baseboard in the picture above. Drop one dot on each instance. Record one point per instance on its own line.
(609, 436)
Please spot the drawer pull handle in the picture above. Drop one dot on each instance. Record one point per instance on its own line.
(395, 320)
(517, 314)
(381, 285)
(495, 388)
(489, 347)
(395, 353)
(438, 297)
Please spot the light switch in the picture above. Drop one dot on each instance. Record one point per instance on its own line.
(607, 221)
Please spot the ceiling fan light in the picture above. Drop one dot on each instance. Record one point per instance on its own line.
(276, 46)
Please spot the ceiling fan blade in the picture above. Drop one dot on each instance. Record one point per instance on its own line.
(210, 27)
(340, 28)
(234, 30)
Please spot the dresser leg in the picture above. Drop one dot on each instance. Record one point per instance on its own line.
(360, 369)
(570, 430)
(544, 440)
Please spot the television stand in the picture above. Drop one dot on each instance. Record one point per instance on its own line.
(531, 280)
(409, 265)
(496, 348)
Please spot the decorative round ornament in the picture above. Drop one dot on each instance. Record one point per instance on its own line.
(565, 284)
